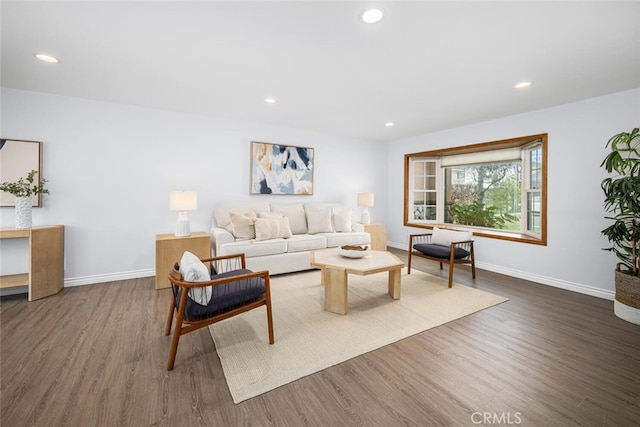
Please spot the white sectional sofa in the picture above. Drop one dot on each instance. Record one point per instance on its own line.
(279, 236)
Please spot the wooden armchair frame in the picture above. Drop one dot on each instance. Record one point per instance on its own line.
(179, 286)
(467, 245)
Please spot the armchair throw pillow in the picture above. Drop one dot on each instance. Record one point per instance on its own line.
(194, 270)
(444, 237)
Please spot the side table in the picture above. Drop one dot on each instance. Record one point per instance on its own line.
(378, 232)
(169, 250)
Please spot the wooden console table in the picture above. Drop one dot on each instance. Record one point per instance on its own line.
(46, 260)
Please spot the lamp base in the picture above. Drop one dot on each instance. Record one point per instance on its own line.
(364, 217)
(182, 225)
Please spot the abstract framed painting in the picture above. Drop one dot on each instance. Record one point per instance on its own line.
(281, 169)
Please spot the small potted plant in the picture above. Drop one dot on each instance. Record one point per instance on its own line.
(622, 200)
(23, 189)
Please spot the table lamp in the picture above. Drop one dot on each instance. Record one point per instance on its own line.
(183, 201)
(365, 200)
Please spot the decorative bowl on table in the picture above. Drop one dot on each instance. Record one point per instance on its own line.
(354, 251)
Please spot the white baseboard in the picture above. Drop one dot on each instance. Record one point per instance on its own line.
(544, 280)
(112, 277)
(87, 280)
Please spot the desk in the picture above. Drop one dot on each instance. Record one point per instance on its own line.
(46, 260)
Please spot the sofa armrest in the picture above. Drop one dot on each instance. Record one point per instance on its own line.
(220, 236)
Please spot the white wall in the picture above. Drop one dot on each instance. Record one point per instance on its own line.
(578, 132)
(111, 167)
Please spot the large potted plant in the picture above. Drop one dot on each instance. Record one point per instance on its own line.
(23, 189)
(622, 200)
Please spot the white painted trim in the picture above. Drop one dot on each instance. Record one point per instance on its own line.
(544, 280)
(87, 280)
(112, 277)
(549, 281)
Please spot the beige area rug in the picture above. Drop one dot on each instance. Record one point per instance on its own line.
(309, 339)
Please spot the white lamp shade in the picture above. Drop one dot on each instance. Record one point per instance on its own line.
(365, 200)
(183, 201)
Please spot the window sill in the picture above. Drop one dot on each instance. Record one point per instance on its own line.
(490, 234)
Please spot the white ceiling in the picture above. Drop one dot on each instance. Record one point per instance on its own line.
(426, 66)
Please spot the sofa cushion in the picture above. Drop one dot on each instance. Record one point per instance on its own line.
(306, 242)
(440, 251)
(226, 296)
(340, 239)
(253, 248)
(319, 206)
(272, 228)
(342, 221)
(270, 215)
(296, 215)
(243, 225)
(319, 221)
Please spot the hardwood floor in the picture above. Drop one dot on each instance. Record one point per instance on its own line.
(96, 356)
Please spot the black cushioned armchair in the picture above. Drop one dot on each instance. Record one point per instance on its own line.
(234, 291)
(443, 246)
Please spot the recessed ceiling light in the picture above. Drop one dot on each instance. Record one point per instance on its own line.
(46, 58)
(389, 124)
(523, 85)
(270, 101)
(372, 16)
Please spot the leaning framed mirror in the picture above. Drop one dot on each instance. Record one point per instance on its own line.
(17, 159)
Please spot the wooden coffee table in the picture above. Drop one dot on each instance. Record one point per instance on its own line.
(336, 268)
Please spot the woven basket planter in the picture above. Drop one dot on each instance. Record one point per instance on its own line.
(627, 302)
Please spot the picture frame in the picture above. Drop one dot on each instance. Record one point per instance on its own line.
(281, 169)
(17, 159)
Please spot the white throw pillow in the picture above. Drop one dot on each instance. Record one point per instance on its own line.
(242, 226)
(194, 270)
(444, 237)
(268, 228)
(319, 221)
(342, 221)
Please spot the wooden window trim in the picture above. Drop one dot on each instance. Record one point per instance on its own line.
(486, 146)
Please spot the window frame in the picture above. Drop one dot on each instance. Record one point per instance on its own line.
(522, 142)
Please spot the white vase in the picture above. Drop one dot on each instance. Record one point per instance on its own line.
(23, 212)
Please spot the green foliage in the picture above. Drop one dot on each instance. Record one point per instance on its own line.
(622, 198)
(480, 215)
(25, 187)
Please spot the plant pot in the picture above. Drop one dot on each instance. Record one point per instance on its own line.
(627, 303)
(23, 212)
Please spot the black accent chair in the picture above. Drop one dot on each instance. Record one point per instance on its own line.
(234, 291)
(458, 252)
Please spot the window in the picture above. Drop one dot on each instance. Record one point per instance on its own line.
(498, 188)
